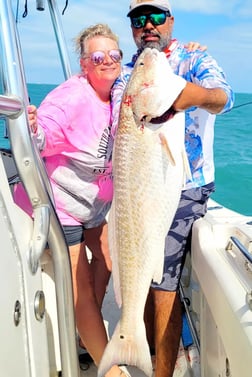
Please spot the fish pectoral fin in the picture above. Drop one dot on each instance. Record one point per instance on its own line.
(164, 143)
(159, 264)
(188, 174)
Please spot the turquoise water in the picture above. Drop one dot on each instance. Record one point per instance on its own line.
(233, 150)
(233, 156)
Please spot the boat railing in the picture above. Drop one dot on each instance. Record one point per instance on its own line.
(234, 241)
(46, 226)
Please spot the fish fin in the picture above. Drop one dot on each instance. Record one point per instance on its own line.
(187, 170)
(133, 350)
(159, 264)
(114, 255)
(164, 143)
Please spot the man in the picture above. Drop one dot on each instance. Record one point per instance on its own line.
(205, 94)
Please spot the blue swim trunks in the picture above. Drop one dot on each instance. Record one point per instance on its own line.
(192, 206)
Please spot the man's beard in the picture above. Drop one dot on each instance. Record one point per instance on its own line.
(150, 45)
(161, 44)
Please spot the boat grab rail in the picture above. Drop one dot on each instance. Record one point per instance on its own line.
(11, 106)
(243, 250)
(31, 170)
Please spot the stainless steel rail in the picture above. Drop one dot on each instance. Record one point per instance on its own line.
(11, 106)
(188, 316)
(60, 39)
(32, 173)
(240, 247)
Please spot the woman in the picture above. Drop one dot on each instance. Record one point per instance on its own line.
(73, 131)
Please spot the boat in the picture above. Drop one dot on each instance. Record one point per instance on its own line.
(38, 335)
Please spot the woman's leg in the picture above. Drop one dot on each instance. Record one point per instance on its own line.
(89, 320)
(89, 285)
(97, 241)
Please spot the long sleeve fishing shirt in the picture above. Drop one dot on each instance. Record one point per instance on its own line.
(200, 68)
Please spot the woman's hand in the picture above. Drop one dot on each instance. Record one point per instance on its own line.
(32, 118)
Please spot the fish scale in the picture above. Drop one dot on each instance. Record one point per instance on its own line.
(149, 170)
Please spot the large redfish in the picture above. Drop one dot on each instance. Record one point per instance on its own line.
(149, 171)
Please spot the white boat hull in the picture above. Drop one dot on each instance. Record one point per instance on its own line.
(222, 281)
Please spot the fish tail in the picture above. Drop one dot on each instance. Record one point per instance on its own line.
(123, 350)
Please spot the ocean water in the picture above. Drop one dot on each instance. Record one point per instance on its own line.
(233, 156)
(233, 150)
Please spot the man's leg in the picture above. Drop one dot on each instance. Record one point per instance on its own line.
(168, 327)
(167, 305)
(149, 321)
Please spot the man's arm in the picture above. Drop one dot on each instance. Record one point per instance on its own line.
(213, 100)
(206, 87)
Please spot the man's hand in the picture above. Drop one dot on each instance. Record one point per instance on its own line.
(192, 46)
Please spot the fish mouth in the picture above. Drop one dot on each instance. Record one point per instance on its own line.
(168, 114)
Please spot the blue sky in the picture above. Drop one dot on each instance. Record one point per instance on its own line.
(224, 26)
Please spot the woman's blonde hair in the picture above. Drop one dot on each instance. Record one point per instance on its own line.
(102, 30)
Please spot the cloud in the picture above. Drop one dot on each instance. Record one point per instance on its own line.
(232, 47)
(42, 49)
(218, 7)
(225, 26)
